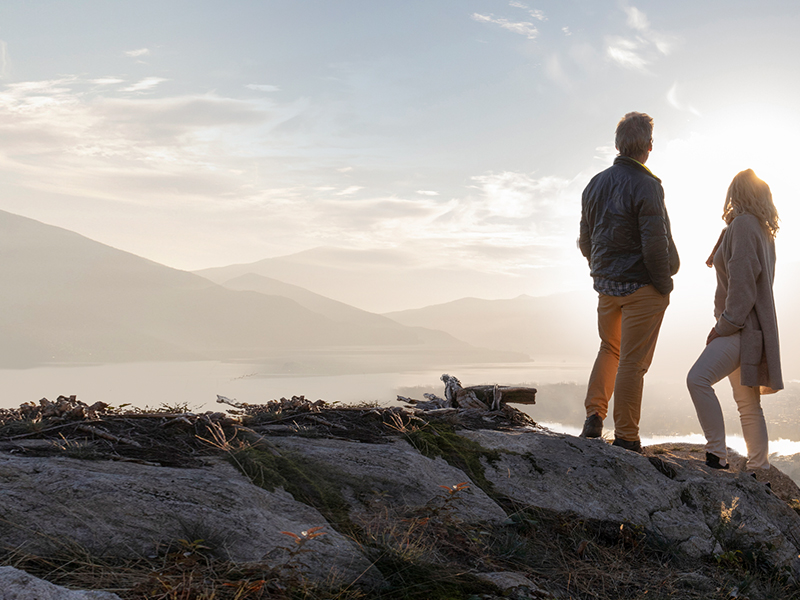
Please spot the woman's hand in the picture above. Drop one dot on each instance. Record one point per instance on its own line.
(712, 336)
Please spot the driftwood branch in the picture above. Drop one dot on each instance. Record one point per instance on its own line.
(233, 403)
(108, 436)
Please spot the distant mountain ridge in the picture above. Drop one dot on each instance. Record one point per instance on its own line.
(334, 310)
(378, 280)
(68, 299)
(535, 325)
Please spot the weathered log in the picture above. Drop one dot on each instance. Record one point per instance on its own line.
(466, 398)
(492, 395)
(479, 397)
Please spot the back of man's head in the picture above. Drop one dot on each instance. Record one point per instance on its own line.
(634, 135)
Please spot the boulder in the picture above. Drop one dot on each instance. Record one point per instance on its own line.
(700, 510)
(123, 509)
(394, 474)
(516, 585)
(18, 585)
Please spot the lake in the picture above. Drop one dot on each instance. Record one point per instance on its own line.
(667, 412)
(198, 383)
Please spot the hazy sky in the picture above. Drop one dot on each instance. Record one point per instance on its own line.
(199, 133)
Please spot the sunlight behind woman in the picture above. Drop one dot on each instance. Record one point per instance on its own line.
(696, 170)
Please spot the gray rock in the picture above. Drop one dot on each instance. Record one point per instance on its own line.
(18, 585)
(47, 505)
(396, 475)
(699, 510)
(515, 585)
(696, 582)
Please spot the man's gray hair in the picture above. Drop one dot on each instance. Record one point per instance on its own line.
(634, 134)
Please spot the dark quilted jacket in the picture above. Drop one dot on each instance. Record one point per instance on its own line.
(625, 231)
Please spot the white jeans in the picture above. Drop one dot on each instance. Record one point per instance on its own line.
(720, 359)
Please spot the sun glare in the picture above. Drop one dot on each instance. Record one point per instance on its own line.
(698, 169)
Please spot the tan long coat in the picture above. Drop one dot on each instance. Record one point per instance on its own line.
(745, 266)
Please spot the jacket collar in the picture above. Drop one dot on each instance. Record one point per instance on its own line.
(631, 162)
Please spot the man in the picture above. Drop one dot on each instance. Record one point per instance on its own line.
(625, 235)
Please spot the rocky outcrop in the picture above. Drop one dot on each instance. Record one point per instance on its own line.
(702, 511)
(284, 485)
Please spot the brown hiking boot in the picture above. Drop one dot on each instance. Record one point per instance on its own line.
(592, 427)
(635, 446)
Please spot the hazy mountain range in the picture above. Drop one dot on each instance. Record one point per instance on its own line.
(68, 299)
(383, 280)
(533, 325)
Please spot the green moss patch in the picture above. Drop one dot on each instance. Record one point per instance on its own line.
(313, 483)
(459, 452)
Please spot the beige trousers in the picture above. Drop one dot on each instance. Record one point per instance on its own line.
(628, 327)
(720, 359)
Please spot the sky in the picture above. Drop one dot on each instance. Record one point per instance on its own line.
(200, 134)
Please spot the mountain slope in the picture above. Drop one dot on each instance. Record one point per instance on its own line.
(339, 312)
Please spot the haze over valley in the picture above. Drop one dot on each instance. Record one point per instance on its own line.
(69, 300)
(83, 318)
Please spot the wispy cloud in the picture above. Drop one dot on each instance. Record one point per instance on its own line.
(519, 195)
(379, 219)
(137, 53)
(628, 52)
(506, 212)
(504, 220)
(637, 19)
(5, 60)
(672, 98)
(148, 83)
(229, 157)
(350, 190)
(107, 81)
(70, 136)
(639, 51)
(535, 13)
(263, 87)
(519, 27)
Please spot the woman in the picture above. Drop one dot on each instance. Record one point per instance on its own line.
(743, 345)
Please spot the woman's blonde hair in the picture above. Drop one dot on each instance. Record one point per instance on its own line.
(747, 194)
